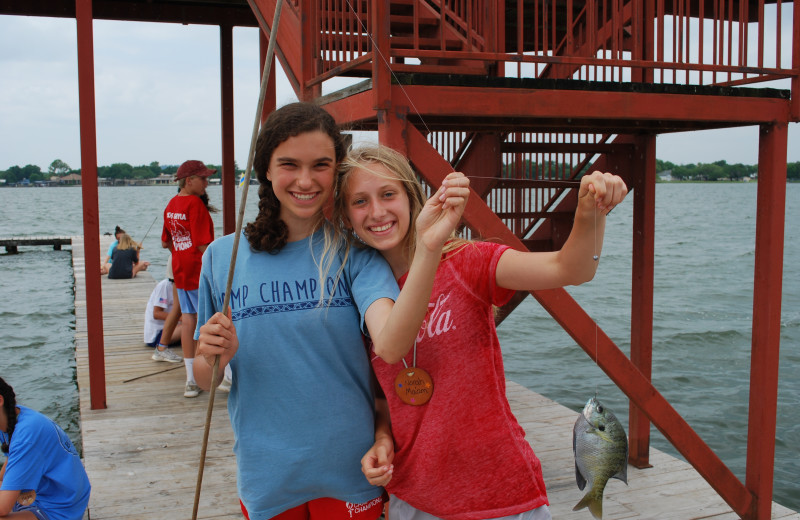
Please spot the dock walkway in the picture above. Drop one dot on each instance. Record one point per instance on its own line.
(142, 452)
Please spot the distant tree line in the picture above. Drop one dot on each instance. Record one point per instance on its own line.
(719, 170)
(715, 171)
(59, 168)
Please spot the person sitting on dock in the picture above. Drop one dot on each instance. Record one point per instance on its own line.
(125, 262)
(43, 477)
(159, 307)
(106, 265)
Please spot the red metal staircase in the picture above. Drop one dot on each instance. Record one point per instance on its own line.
(526, 96)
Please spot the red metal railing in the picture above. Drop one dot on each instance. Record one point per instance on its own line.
(684, 42)
(681, 42)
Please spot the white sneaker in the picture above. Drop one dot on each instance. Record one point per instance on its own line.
(225, 385)
(191, 390)
(166, 355)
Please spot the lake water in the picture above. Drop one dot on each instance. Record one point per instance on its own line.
(705, 236)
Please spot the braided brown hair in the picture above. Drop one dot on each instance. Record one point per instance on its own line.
(10, 407)
(268, 232)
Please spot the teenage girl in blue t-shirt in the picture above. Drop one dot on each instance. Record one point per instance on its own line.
(43, 477)
(301, 405)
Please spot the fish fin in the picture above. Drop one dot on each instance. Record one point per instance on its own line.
(595, 506)
(622, 474)
(579, 478)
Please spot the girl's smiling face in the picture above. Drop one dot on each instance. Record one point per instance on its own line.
(377, 207)
(302, 170)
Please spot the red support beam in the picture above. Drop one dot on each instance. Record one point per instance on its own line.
(632, 108)
(764, 358)
(309, 38)
(392, 127)
(91, 209)
(289, 47)
(795, 106)
(355, 110)
(270, 98)
(381, 73)
(228, 172)
(644, 215)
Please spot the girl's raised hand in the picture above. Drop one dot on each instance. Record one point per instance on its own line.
(218, 337)
(602, 191)
(443, 211)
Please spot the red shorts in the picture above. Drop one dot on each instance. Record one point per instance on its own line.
(330, 509)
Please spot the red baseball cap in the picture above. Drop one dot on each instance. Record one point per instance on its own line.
(190, 168)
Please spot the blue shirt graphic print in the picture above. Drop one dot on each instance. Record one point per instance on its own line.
(301, 405)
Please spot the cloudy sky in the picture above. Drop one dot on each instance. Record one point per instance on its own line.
(157, 94)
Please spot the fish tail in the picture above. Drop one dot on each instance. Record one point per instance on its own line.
(592, 500)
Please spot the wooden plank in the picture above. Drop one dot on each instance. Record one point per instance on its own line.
(142, 452)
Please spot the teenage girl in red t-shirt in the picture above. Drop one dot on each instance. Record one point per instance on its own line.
(458, 451)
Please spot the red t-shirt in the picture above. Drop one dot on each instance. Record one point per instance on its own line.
(187, 224)
(462, 455)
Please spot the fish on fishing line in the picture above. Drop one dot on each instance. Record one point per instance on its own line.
(600, 446)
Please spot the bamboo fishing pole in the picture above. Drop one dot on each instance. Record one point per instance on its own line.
(141, 243)
(240, 218)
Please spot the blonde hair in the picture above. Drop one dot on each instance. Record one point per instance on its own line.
(366, 155)
(126, 242)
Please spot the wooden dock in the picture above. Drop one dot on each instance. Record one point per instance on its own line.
(12, 244)
(142, 452)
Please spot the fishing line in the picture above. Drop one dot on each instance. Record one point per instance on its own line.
(225, 305)
(596, 258)
(386, 63)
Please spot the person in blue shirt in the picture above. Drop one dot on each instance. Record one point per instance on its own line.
(43, 477)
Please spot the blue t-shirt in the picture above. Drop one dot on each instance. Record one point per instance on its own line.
(301, 405)
(42, 458)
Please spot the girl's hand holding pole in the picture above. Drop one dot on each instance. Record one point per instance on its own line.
(218, 337)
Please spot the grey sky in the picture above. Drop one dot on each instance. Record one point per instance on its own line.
(157, 96)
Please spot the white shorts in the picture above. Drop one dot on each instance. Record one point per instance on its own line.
(400, 510)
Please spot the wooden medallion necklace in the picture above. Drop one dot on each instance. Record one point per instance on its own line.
(413, 385)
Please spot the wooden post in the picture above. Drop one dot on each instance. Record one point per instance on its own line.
(91, 211)
(794, 108)
(310, 49)
(381, 71)
(228, 173)
(764, 358)
(644, 213)
(270, 98)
